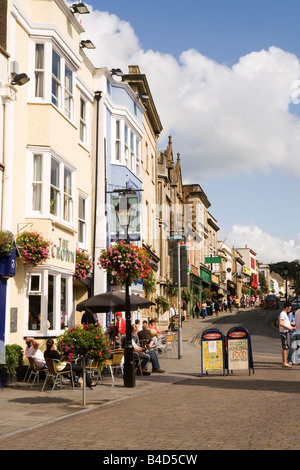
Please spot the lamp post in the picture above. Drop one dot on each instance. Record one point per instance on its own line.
(286, 273)
(125, 213)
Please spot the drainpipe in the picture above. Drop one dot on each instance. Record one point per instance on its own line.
(97, 98)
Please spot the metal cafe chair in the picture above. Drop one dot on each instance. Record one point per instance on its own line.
(34, 372)
(115, 362)
(56, 375)
(94, 369)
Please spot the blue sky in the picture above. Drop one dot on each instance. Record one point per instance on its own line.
(238, 61)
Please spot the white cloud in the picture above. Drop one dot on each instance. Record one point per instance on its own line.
(269, 249)
(224, 120)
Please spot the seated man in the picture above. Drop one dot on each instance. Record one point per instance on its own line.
(33, 351)
(139, 351)
(144, 334)
(147, 341)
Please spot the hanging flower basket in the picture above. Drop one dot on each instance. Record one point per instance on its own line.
(83, 264)
(33, 248)
(7, 242)
(84, 341)
(123, 262)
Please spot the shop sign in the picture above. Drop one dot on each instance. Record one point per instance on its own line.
(62, 252)
(213, 260)
(212, 348)
(239, 353)
(205, 275)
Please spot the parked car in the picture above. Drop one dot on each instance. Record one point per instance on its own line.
(271, 301)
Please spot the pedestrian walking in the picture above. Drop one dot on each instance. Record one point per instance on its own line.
(198, 308)
(294, 336)
(285, 327)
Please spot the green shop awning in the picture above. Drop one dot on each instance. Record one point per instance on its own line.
(205, 274)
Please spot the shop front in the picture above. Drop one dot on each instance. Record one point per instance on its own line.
(40, 300)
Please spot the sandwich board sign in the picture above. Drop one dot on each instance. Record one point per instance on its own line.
(212, 351)
(239, 352)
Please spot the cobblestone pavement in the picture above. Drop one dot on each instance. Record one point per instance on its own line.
(180, 410)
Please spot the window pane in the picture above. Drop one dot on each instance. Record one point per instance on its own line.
(118, 149)
(82, 120)
(81, 220)
(82, 109)
(34, 313)
(67, 195)
(50, 302)
(55, 64)
(67, 181)
(54, 172)
(39, 56)
(117, 129)
(54, 195)
(39, 70)
(63, 304)
(37, 183)
(81, 208)
(68, 79)
(67, 208)
(37, 168)
(55, 90)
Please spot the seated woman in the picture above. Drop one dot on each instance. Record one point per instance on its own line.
(62, 366)
(152, 326)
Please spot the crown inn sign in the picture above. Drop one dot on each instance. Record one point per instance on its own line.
(62, 252)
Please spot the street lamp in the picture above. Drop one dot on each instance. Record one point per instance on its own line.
(286, 273)
(125, 213)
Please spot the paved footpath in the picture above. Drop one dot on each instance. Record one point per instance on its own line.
(176, 411)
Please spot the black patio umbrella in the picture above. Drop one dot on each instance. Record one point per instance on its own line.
(114, 301)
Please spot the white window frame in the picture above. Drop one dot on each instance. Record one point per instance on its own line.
(39, 72)
(83, 122)
(84, 221)
(64, 93)
(45, 326)
(45, 210)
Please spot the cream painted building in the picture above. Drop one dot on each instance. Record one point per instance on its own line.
(48, 160)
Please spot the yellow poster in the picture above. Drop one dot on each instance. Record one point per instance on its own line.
(212, 355)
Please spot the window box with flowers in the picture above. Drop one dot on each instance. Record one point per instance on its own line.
(125, 262)
(33, 248)
(7, 253)
(83, 264)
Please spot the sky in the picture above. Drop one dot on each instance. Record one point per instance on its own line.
(225, 79)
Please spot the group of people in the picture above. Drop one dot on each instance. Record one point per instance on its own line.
(39, 358)
(144, 341)
(289, 329)
(210, 307)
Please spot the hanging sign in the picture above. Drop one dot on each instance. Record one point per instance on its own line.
(239, 352)
(212, 349)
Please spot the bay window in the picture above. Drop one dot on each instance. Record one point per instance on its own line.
(49, 302)
(52, 187)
